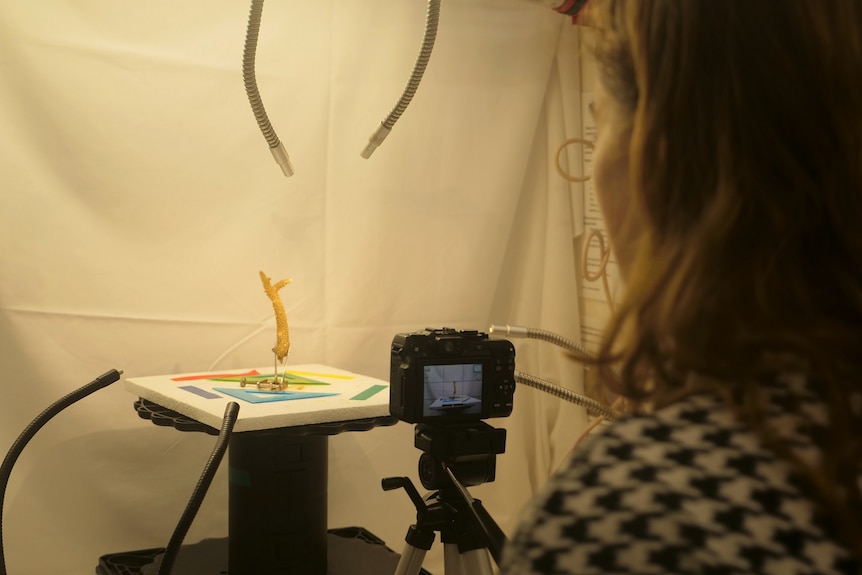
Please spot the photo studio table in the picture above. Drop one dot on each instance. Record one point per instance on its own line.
(277, 471)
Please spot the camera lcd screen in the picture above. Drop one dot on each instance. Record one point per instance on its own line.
(453, 390)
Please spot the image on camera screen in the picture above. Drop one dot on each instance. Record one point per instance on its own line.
(453, 390)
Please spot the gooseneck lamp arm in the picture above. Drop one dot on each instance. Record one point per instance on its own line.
(30, 431)
(432, 20)
(250, 80)
(576, 349)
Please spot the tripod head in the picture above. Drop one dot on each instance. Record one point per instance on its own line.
(468, 450)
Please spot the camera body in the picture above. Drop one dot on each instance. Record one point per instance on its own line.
(440, 376)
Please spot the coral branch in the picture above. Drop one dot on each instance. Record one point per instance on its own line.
(282, 342)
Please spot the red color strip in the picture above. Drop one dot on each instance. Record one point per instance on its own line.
(214, 376)
(566, 6)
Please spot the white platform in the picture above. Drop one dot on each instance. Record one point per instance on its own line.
(320, 394)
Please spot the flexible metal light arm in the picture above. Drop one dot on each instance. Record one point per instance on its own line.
(250, 81)
(431, 22)
(576, 349)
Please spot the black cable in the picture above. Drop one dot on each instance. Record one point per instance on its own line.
(18, 446)
(172, 550)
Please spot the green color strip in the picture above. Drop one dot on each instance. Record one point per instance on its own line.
(371, 391)
(291, 379)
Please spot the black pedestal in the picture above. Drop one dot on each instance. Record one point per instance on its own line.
(277, 508)
(277, 515)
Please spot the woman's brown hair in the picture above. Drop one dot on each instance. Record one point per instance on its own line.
(746, 178)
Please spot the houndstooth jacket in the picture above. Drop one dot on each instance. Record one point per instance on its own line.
(688, 489)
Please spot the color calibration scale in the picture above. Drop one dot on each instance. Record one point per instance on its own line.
(314, 394)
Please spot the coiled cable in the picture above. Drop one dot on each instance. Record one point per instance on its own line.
(432, 20)
(250, 80)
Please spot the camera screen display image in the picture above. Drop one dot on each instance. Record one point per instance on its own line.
(452, 390)
(449, 377)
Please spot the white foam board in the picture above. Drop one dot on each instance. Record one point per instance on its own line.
(204, 396)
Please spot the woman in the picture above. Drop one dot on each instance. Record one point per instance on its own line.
(729, 170)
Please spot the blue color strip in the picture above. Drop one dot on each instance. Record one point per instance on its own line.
(202, 392)
(269, 396)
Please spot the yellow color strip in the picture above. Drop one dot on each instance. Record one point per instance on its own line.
(313, 374)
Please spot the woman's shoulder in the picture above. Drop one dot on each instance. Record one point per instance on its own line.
(694, 449)
(690, 434)
(686, 489)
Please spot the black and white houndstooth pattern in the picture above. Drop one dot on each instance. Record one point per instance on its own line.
(685, 490)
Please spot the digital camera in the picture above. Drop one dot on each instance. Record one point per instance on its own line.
(440, 376)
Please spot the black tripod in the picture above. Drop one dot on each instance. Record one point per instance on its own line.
(454, 456)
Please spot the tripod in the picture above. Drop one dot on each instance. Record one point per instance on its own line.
(468, 531)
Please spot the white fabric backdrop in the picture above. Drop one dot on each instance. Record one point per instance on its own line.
(139, 201)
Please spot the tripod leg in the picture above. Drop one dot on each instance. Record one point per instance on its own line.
(411, 560)
(453, 563)
(418, 541)
(476, 562)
